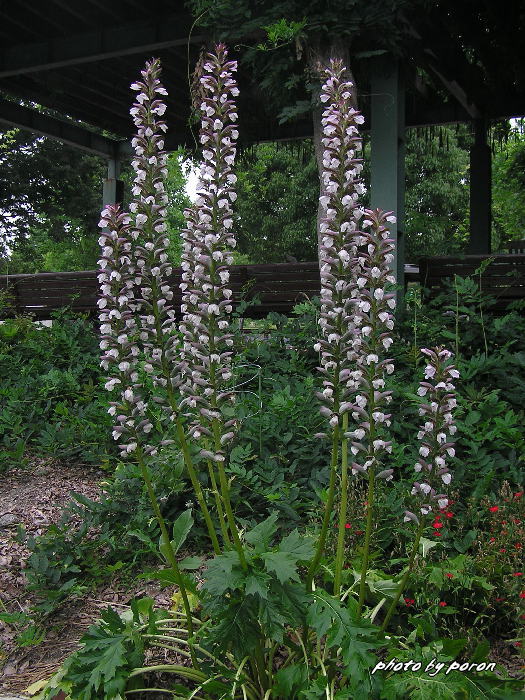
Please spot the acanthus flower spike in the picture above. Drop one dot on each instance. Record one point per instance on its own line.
(118, 329)
(206, 295)
(373, 322)
(152, 268)
(207, 243)
(338, 245)
(436, 432)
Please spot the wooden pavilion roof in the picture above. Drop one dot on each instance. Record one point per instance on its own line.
(77, 58)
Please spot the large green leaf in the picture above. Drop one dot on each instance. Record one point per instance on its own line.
(181, 529)
(282, 564)
(260, 536)
(289, 679)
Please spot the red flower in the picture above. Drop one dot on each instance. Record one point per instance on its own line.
(442, 604)
(517, 521)
(518, 545)
(436, 533)
(518, 573)
(438, 517)
(517, 644)
(348, 526)
(492, 539)
(518, 495)
(449, 514)
(494, 509)
(449, 575)
(437, 524)
(499, 600)
(409, 601)
(359, 532)
(502, 550)
(522, 594)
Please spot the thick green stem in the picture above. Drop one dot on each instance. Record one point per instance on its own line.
(225, 493)
(218, 504)
(368, 535)
(457, 315)
(403, 582)
(197, 487)
(169, 549)
(342, 511)
(180, 430)
(327, 512)
(261, 666)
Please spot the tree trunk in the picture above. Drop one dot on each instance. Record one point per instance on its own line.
(319, 59)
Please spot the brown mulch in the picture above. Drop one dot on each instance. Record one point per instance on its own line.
(35, 497)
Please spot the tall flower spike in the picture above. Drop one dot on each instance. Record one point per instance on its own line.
(118, 329)
(339, 240)
(436, 432)
(207, 241)
(373, 322)
(152, 269)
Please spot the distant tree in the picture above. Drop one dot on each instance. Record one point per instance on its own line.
(47, 190)
(508, 193)
(50, 201)
(437, 191)
(277, 202)
(278, 191)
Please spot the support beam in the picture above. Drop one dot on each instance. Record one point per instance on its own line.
(480, 191)
(67, 132)
(112, 187)
(387, 176)
(114, 41)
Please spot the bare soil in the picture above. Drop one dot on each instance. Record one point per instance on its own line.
(35, 497)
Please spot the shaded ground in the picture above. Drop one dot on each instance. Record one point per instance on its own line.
(34, 497)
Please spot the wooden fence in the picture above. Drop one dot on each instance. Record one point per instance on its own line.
(278, 287)
(503, 278)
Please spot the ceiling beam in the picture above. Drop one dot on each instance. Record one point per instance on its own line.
(72, 134)
(87, 47)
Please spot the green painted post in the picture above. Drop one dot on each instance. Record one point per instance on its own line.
(387, 172)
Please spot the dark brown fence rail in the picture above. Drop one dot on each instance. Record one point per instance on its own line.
(503, 278)
(278, 287)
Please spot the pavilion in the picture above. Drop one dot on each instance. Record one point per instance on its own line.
(66, 67)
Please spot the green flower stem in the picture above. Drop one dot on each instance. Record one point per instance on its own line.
(327, 512)
(218, 504)
(260, 664)
(223, 481)
(407, 573)
(169, 549)
(180, 430)
(368, 534)
(197, 487)
(342, 511)
(225, 492)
